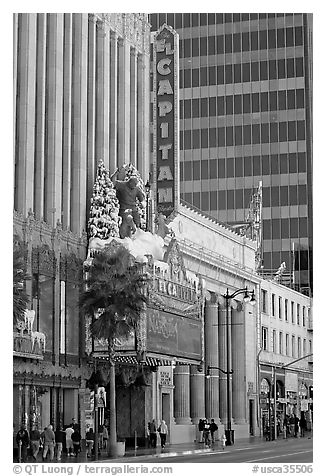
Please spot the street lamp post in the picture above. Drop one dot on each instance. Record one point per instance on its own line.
(148, 218)
(249, 296)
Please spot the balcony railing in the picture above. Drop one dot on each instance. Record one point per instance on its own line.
(31, 345)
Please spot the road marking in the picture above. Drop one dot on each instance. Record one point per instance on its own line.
(278, 456)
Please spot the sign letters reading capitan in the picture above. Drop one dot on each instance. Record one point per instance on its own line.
(166, 136)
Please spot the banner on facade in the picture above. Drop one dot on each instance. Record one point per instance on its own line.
(174, 335)
(291, 382)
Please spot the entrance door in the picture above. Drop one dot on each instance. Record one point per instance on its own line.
(251, 417)
(166, 411)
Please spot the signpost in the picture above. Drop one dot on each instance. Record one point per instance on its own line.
(166, 119)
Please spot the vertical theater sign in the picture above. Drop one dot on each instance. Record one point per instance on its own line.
(166, 119)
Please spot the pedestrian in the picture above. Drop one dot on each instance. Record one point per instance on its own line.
(223, 441)
(212, 428)
(206, 432)
(296, 426)
(292, 425)
(22, 439)
(49, 442)
(35, 438)
(152, 434)
(74, 424)
(163, 431)
(303, 425)
(89, 442)
(60, 437)
(100, 436)
(105, 437)
(201, 426)
(69, 443)
(76, 437)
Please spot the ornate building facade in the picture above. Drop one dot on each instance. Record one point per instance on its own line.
(81, 95)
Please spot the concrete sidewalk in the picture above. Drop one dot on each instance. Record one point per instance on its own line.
(169, 451)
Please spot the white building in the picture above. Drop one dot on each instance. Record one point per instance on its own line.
(286, 347)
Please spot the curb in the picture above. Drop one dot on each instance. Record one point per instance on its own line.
(163, 455)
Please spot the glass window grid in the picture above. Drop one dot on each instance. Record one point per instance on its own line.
(243, 135)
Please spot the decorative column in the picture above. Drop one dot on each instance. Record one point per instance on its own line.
(140, 112)
(102, 93)
(239, 388)
(53, 150)
(40, 117)
(79, 123)
(66, 132)
(25, 112)
(21, 416)
(182, 395)
(123, 102)
(113, 102)
(133, 106)
(212, 359)
(27, 406)
(222, 321)
(197, 393)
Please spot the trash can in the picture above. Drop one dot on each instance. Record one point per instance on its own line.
(229, 434)
(121, 448)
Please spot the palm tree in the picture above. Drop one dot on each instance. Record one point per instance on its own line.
(20, 298)
(114, 297)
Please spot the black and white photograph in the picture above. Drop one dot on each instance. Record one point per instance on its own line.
(162, 239)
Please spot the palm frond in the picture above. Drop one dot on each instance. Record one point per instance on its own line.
(115, 284)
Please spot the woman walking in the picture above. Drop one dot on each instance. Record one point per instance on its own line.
(163, 431)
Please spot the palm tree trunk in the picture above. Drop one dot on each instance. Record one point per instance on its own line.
(96, 423)
(113, 416)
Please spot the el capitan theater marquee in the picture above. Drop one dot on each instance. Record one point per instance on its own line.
(166, 119)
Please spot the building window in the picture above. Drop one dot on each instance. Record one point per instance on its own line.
(310, 346)
(298, 314)
(287, 343)
(286, 309)
(293, 346)
(280, 343)
(274, 341)
(273, 305)
(264, 300)
(280, 308)
(264, 338)
(304, 349)
(303, 316)
(299, 347)
(292, 312)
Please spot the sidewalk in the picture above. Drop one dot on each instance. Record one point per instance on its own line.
(169, 451)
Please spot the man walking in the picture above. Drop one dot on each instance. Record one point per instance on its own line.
(212, 428)
(35, 437)
(22, 439)
(69, 442)
(60, 437)
(49, 442)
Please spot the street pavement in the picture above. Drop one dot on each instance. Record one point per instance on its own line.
(247, 450)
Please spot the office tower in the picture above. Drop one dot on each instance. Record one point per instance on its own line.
(245, 117)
